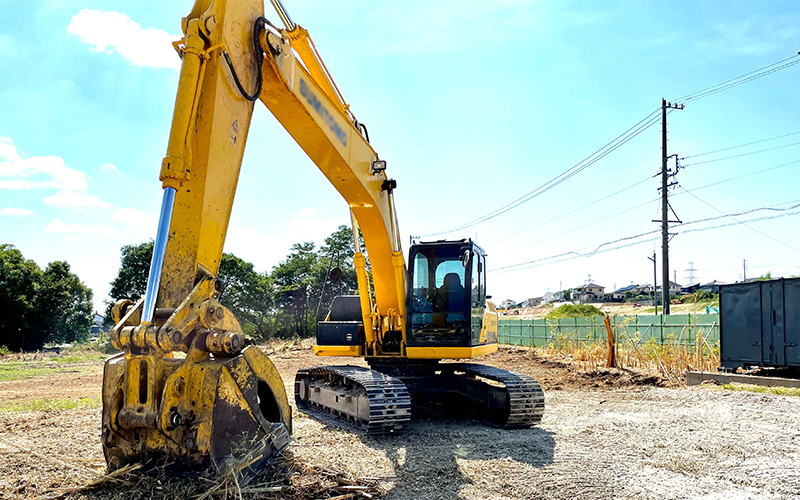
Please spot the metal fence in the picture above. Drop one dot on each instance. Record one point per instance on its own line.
(670, 329)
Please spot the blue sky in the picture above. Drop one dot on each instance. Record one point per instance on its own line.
(473, 104)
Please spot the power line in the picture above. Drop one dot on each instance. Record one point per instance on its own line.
(641, 205)
(766, 217)
(580, 227)
(574, 254)
(623, 138)
(745, 175)
(746, 212)
(739, 146)
(572, 212)
(740, 155)
(733, 218)
(590, 160)
(742, 79)
(577, 253)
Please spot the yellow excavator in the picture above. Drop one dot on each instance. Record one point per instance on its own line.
(189, 392)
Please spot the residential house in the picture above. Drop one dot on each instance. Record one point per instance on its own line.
(508, 304)
(588, 293)
(549, 297)
(689, 289)
(674, 288)
(627, 289)
(532, 302)
(615, 296)
(97, 326)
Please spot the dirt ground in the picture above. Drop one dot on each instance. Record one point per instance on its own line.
(607, 434)
(80, 380)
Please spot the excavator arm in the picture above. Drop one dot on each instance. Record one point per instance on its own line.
(208, 136)
(304, 98)
(224, 396)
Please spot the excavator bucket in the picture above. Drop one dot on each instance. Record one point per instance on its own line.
(223, 413)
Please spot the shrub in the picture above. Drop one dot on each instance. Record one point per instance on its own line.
(574, 311)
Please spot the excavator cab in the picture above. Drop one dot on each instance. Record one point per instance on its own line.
(447, 296)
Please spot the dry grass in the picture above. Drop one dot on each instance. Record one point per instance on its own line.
(283, 478)
(279, 346)
(670, 360)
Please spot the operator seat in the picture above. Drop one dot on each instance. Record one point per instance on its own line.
(454, 294)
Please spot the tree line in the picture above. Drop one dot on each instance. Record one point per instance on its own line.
(52, 305)
(41, 305)
(285, 302)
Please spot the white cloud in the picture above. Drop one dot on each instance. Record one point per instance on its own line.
(307, 213)
(443, 29)
(756, 35)
(135, 219)
(116, 32)
(110, 167)
(15, 211)
(36, 171)
(76, 200)
(58, 226)
(97, 270)
(266, 249)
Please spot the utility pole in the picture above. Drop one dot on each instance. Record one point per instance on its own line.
(655, 299)
(744, 269)
(665, 175)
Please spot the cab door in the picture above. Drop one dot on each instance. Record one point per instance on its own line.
(477, 296)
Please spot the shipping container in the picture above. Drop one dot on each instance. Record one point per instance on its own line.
(760, 324)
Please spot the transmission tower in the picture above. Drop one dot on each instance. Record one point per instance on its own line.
(690, 273)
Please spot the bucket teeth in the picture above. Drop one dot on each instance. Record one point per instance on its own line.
(204, 413)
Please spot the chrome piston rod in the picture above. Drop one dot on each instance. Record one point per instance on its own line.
(281, 10)
(159, 250)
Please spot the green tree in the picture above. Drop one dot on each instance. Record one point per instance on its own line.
(284, 302)
(765, 277)
(245, 292)
(298, 281)
(248, 294)
(19, 282)
(64, 305)
(131, 280)
(338, 251)
(38, 307)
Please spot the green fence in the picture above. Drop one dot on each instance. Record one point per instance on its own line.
(681, 328)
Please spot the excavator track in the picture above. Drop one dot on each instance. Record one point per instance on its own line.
(366, 399)
(525, 395)
(499, 397)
